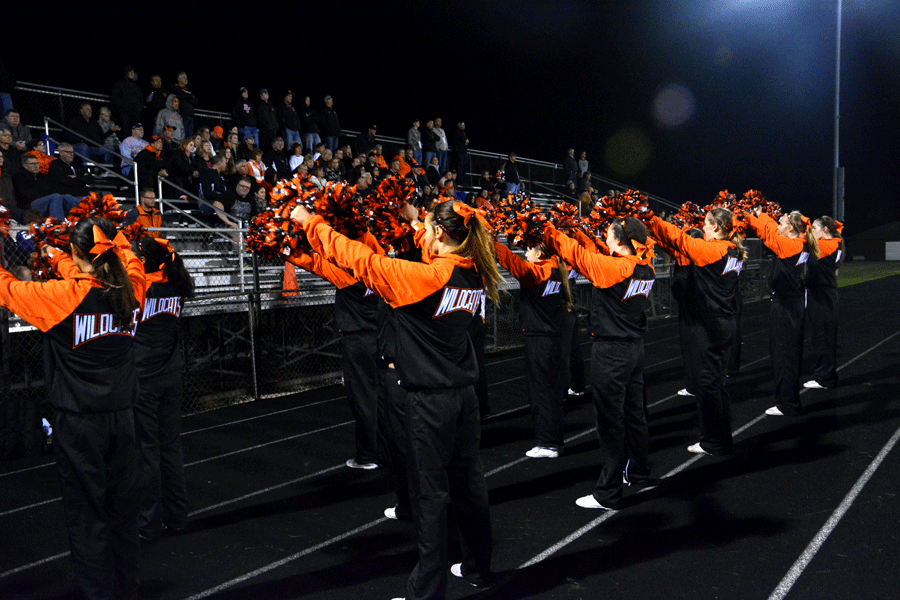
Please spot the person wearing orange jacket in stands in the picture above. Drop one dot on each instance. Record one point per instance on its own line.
(88, 319)
(793, 243)
(546, 314)
(434, 302)
(715, 264)
(622, 282)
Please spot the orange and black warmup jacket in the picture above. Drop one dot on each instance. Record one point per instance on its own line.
(789, 268)
(147, 219)
(156, 342)
(433, 301)
(542, 309)
(714, 268)
(356, 308)
(88, 354)
(621, 286)
(823, 272)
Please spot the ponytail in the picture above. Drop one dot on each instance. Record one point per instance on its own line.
(92, 238)
(724, 218)
(158, 255)
(475, 242)
(834, 229)
(563, 272)
(802, 226)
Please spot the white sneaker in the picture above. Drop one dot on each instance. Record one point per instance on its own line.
(774, 411)
(812, 384)
(574, 393)
(542, 452)
(391, 513)
(684, 392)
(355, 465)
(589, 502)
(697, 449)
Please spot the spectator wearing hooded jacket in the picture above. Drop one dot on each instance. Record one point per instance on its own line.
(171, 117)
(244, 114)
(127, 99)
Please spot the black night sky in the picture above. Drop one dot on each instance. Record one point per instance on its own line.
(681, 99)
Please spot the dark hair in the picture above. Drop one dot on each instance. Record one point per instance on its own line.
(724, 218)
(694, 233)
(830, 226)
(474, 242)
(157, 257)
(796, 220)
(107, 267)
(563, 271)
(218, 158)
(628, 230)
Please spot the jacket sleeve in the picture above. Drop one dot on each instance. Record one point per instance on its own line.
(589, 244)
(528, 274)
(399, 282)
(603, 271)
(767, 230)
(43, 304)
(700, 252)
(314, 263)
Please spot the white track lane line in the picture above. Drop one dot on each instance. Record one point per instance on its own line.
(608, 514)
(806, 557)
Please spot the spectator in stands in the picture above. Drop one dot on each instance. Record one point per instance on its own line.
(244, 114)
(170, 146)
(229, 163)
(483, 200)
(394, 169)
(414, 141)
(8, 192)
(127, 98)
(318, 177)
(7, 83)
(212, 181)
(21, 135)
(131, 146)
(570, 165)
(266, 119)
(433, 172)
(296, 158)
(171, 117)
(309, 125)
(206, 136)
(365, 141)
(146, 212)
(332, 171)
(442, 144)
(155, 99)
(85, 128)
(37, 191)
(238, 203)
(331, 126)
(204, 156)
(428, 196)
(12, 156)
(276, 159)
(217, 138)
(460, 143)
(342, 169)
(38, 149)
(347, 158)
(487, 182)
(585, 184)
(583, 166)
(233, 142)
(110, 129)
(247, 149)
(68, 177)
(362, 187)
(511, 174)
(288, 119)
(429, 142)
(571, 191)
(255, 166)
(261, 197)
(318, 150)
(150, 163)
(240, 170)
(187, 102)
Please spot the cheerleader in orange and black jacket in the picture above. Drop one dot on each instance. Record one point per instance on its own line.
(157, 410)
(545, 309)
(622, 283)
(822, 301)
(715, 262)
(434, 303)
(792, 242)
(89, 318)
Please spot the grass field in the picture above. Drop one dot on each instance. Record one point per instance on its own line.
(852, 273)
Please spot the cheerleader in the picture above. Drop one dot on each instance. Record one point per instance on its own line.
(157, 410)
(546, 313)
(822, 301)
(714, 263)
(89, 319)
(434, 303)
(792, 242)
(622, 283)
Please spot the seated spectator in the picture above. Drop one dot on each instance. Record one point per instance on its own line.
(11, 155)
(365, 141)
(342, 169)
(571, 191)
(347, 158)
(21, 135)
(238, 203)
(204, 155)
(36, 191)
(131, 146)
(216, 137)
(22, 253)
(394, 170)
(183, 171)
(68, 177)
(229, 163)
(206, 136)
(8, 192)
(88, 137)
(170, 117)
(275, 158)
(247, 149)
(38, 149)
(255, 166)
(404, 166)
(318, 177)
(212, 182)
(261, 196)
(150, 164)
(332, 171)
(296, 158)
(428, 196)
(362, 187)
(379, 157)
(482, 200)
(317, 151)
(240, 170)
(232, 142)
(433, 171)
(146, 212)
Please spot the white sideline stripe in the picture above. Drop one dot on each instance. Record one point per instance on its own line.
(35, 505)
(285, 560)
(608, 514)
(797, 569)
(268, 414)
(36, 563)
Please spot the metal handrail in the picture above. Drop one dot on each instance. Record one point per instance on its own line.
(200, 201)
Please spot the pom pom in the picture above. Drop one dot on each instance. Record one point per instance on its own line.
(382, 211)
(630, 203)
